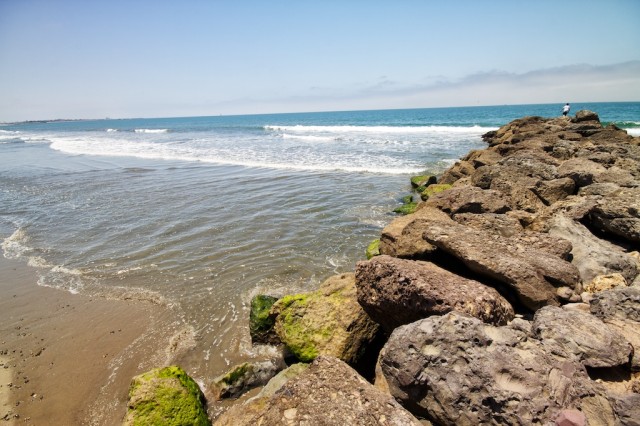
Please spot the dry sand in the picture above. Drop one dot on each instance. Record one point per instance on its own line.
(68, 359)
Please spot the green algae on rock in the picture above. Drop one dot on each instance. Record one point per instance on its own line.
(407, 208)
(260, 323)
(328, 321)
(373, 249)
(166, 396)
(433, 189)
(422, 180)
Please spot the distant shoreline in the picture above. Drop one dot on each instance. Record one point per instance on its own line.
(574, 103)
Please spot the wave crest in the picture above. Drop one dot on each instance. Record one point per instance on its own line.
(380, 129)
(151, 130)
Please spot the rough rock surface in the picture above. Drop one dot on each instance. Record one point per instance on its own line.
(469, 199)
(243, 377)
(397, 291)
(619, 308)
(622, 303)
(533, 274)
(403, 236)
(619, 214)
(166, 396)
(582, 335)
(328, 321)
(456, 370)
(590, 254)
(329, 392)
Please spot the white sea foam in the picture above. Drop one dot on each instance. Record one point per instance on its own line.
(309, 138)
(151, 130)
(381, 129)
(634, 132)
(251, 156)
(7, 136)
(112, 130)
(16, 245)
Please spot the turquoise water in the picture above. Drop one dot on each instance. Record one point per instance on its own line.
(201, 213)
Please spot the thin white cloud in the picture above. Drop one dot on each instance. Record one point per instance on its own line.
(579, 82)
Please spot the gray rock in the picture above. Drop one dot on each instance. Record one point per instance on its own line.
(328, 393)
(243, 377)
(627, 408)
(456, 370)
(533, 274)
(621, 303)
(396, 291)
(592, 255)
(619, 214)
(582, 335)
(620, 310)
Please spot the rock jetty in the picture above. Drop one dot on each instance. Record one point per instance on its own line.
(508, 293)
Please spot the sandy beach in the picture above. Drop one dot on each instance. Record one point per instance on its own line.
(68, 359)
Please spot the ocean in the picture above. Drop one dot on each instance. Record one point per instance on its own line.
(201, 213)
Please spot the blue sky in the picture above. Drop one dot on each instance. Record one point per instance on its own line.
(94, 59)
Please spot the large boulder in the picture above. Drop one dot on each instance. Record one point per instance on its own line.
(581, 170)
(619, 308)
(328, 321)
(328, 393)
(533, 274)
(582, 335)
(166, 396)
(469, 199)
(619, 214)
(403, 236)
(457, 370)
(591, 255)
(397, 291)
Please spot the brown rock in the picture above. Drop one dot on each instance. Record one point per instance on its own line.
(403, 236)
(533, 274)
(469, 199)
(396, 291)
(328, 393)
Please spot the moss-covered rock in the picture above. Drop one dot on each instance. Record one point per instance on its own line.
(373, 249)
(433, 189)
(406, 208)
(423, 180)
(166, 396)
(328, 321)
(407, 199)
(260, 323)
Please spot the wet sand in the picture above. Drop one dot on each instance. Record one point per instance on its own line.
(68, 359)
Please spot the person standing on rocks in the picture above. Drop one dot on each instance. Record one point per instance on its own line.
(565, 109)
